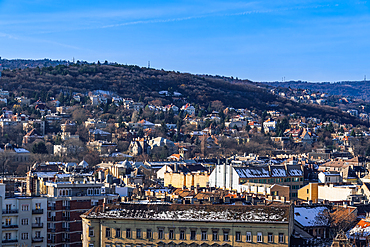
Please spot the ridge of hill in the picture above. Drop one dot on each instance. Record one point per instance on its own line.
(144, 83)
(355, 89)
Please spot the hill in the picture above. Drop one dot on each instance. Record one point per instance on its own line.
(144, 84)
(356, 89)
(29, 63)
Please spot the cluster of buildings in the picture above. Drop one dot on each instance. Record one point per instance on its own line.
(187, 198)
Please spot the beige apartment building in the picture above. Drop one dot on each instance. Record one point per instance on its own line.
(186, 225)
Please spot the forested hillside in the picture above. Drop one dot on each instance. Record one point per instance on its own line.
(144, 84)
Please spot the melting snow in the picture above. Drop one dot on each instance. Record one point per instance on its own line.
(253, 215)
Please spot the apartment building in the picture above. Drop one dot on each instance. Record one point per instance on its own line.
(23, 220)
(232, 176)
(66, 201)
(186, 225)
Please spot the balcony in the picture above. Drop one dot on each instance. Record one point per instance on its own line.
(52, 207)
(66, 207)
(67, 240)
(52, 218)
(37, 211)
(10, 226)
(37, 239)
(37, 225)
(10, 211)
(9, 241)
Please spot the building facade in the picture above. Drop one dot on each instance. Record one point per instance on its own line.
(23, 220)
(230, 176)
(186, 225)
(66, 201)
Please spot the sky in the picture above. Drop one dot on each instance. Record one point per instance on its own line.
(266, 40)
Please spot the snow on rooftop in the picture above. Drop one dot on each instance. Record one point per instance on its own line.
(362, 229)
(20, 150)
(314, 216)
(202, 213)
(278, 171)
(45, 174)
(252, 172)
(295, 172)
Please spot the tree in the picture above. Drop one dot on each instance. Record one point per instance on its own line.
(281, 127)
(353, 132)
(39, 148)
(367, 153)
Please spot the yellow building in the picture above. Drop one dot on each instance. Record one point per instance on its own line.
(186, 225)
(309, 192)
(180, 180)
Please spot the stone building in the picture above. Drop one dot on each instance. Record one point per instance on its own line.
(186, 225)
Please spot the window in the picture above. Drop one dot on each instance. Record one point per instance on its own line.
(51, 226)
(281, 237)
(160, 234)
(149, 233)
(38, 205)
(24, 235)
(171, 234)
(182, 234)
(38, 220)
(214, 235)
(91, 245)
(107, 245)
(138, 233)
(128, 233)
(193, 234)
(249, 237)
(204, 235)
(259, 237)
(226, 235)
(8, 222)
(118, 232)
(8, 207)
(25, 207)
(107, 232)
(8, 236)
(91, 231)
(238, 237)
(270, 237)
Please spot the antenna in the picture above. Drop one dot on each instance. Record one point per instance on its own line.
(365, 78)
(148, 64)
(73, 59)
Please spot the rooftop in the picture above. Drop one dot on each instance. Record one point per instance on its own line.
(215, 213)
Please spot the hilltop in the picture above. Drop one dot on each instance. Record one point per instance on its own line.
(144, 84)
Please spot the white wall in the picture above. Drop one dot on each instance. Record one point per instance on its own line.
(332, 193)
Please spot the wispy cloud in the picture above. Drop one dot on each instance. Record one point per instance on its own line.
(30, 39)
(5, 35)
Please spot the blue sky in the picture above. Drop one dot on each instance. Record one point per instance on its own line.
(257, 40)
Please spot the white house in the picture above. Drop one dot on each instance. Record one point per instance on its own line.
(329, 177)
(188, 108)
